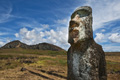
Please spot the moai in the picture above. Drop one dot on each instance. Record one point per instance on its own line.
(86, 59)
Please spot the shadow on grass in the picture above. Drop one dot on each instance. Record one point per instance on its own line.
(47, 72)
(38, 74)
(51, 73)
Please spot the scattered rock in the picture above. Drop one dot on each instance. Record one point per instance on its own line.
(27, 61)
(118, 72)
(8, 63)
(23, 69)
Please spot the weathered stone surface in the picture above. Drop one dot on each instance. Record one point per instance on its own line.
(86, 59)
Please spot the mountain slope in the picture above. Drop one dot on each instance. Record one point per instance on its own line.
(40, 46)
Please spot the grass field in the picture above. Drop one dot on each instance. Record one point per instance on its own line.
(23, 64)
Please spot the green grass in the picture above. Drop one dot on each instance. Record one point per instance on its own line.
(63, 62)
(9, 64)
(113, 66)
(112, 53)
(5, 56)
(51, 61)
(33, 51)
(44, 58)
(17, 56)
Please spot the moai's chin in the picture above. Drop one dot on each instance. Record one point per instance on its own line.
(80, 26)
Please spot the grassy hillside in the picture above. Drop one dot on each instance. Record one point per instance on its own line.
(26, 64)
(32, 51)
(113, 65)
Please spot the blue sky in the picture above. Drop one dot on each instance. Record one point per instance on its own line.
(36, 21)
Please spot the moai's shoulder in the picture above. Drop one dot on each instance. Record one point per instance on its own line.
(98, 48)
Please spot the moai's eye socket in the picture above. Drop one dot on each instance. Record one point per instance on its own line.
(73, 24)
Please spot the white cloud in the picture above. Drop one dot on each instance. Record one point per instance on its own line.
(62, 21)
(33, 24)
(30, 36)
(5, 11)
(103, 30)
(30, 23)
(115, 37)
(23, 31)
(104, 11)
(116, 30)
(6, 40)
(111, 48)
(3, 33)
(16, 35)
(45, 26)
(1, 43)
(100, 37)
(58, 37)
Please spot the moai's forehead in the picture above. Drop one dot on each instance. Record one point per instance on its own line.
(82, 11)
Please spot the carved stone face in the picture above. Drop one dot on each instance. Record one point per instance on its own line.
(80, 25)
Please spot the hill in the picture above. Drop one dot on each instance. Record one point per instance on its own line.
(40, 46)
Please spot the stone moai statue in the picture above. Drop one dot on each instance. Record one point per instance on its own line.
(86, 59)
